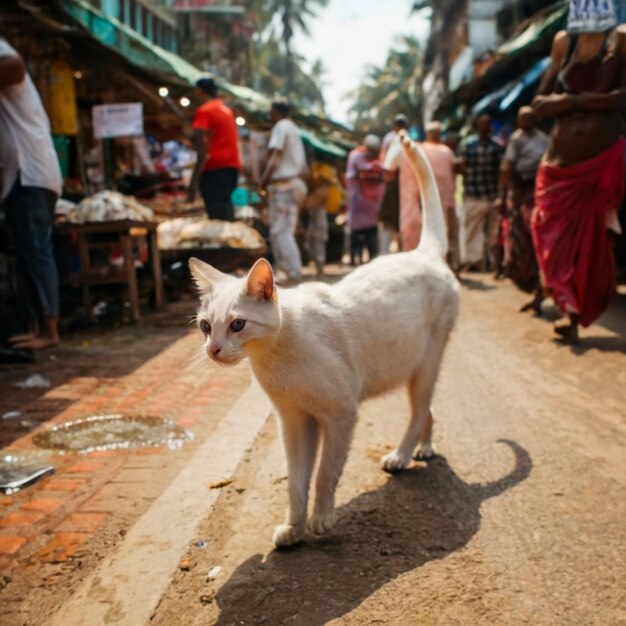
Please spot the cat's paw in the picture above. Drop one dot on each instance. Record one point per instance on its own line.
(322, 521)
(287, 535)
(394, 462)
(424, 452)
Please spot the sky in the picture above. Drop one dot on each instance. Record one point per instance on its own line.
(348, 35)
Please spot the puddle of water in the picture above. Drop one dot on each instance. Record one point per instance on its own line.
(112, 432)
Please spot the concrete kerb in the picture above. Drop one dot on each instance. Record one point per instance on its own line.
(127, 586)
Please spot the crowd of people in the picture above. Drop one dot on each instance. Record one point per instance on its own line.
(536, 208)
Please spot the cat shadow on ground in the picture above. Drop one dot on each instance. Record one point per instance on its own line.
(417, 516)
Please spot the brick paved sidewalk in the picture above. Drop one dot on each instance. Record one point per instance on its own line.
(52, 533)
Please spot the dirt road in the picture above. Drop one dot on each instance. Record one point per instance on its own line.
(521, 519)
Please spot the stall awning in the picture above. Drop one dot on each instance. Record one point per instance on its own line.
(250, 100)
(172, 69)
(139, 50)
(490, 101)
(317, 143)
(536, 30)
(507, 98)
(514, 56)
(530, 78)
(218, 7)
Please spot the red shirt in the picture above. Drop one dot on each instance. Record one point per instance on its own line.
(223, 148)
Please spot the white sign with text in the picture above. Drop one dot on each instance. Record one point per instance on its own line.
(117, 120)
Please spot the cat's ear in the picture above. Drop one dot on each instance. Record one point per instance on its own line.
(260, 283)
(204, 274)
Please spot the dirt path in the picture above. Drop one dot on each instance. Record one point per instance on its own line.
(520, 520)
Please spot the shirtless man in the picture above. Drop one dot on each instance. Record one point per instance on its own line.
(581, 179)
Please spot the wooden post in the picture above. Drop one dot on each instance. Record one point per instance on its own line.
(155, 260)
(85, 268)
(108, 157)
(131, 275)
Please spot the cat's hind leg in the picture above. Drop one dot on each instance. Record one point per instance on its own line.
(425, 449)
(301, 435)
(337, 435)
(421, 387)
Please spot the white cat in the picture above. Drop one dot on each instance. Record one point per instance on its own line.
(318, 350)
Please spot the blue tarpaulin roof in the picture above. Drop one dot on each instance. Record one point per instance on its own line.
(532, 76)
(507, 97)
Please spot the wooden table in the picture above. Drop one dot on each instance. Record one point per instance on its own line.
(98, 235)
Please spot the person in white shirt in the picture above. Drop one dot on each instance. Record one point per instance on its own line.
(287, 190)
(30, 184)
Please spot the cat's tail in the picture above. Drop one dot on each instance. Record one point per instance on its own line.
(434, 239)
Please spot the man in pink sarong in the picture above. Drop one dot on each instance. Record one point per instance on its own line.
(410, 210)
(441, 159)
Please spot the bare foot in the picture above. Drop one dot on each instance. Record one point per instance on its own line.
(23, 337)
(35, 343)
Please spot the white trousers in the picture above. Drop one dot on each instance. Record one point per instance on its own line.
(285, 199)
(481, 226)
(317, 235)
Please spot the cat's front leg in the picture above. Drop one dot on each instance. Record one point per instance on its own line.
(300, 438)
(337, 436)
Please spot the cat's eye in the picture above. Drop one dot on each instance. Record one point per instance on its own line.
(237, 325)
(205, 327)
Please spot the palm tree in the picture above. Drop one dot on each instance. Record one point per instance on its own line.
(316, 76)
(272, 77)
(292, 15)
(391, 89)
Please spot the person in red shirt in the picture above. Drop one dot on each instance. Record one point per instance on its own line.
(216, 142)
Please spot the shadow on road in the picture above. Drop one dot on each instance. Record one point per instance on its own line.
(603, 344)
(417, 516)
(614, 316)
(475, 285)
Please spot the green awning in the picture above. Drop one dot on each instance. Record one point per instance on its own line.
(317, 143)
(249, 100)
(139, 50)
(549, 24)
(513, 57)
(172, 69)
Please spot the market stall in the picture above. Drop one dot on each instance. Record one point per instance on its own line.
(130, 133)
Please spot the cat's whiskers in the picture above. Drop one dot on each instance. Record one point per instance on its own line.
(193, 319)
(197, 358)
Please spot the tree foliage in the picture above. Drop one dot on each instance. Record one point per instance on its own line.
(281, 70)
(391, 89)
(272, 77)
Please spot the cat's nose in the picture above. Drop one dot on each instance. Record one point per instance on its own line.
(215, 350)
